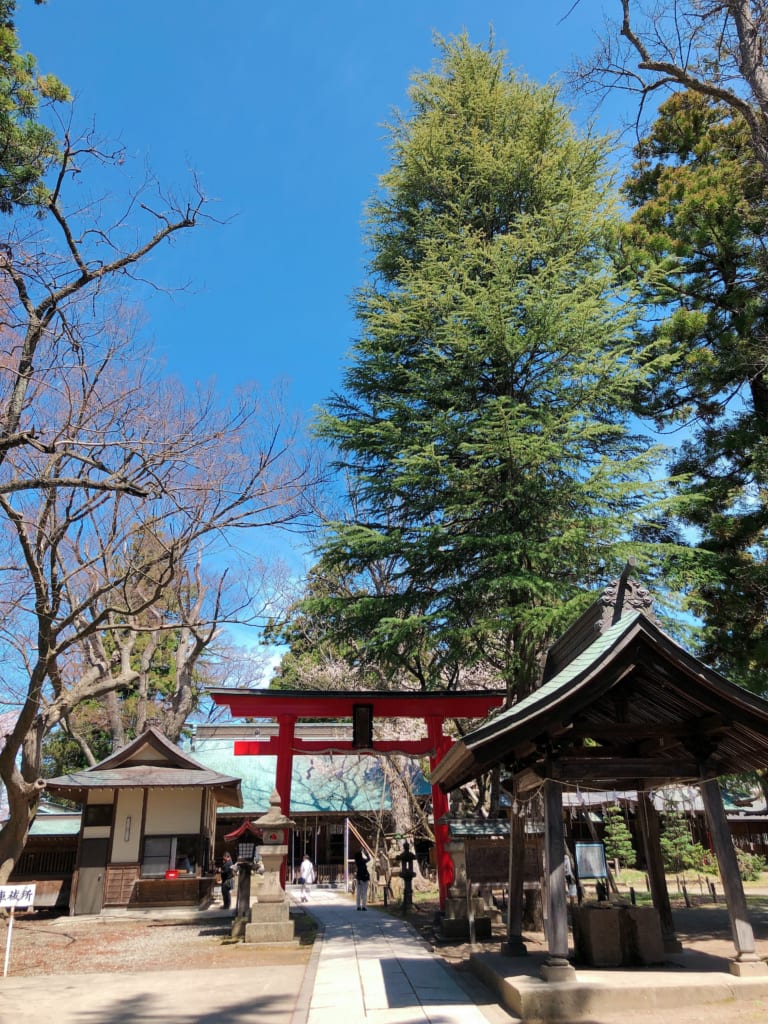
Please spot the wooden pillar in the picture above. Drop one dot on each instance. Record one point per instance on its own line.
(557, 966)
(440, 746)
(515, 945)
(741, 929)
(649, 823)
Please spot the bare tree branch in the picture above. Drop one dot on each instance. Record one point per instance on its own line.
(117, 489)
(712, 47)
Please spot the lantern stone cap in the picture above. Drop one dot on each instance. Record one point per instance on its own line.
(274, 818)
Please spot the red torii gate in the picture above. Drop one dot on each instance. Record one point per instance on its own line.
(362, 707)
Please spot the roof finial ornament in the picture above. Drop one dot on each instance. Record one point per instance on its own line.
(626, 592)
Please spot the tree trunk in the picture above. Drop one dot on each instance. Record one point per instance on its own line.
(23, 788)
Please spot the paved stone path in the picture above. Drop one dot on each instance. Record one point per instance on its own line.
(371, 968)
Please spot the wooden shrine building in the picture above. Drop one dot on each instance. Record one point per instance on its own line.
(622, 705)
(147, 828)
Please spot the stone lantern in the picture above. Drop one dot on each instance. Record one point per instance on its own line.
(248, 839)
(270, 914)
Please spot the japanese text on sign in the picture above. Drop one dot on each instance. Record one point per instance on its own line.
(17, 895)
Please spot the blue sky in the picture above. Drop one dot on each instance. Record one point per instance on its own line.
(278, 108)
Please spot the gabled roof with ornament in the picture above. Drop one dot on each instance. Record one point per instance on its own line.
(150, 761)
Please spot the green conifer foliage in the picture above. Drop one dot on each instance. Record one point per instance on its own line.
(697, 235)
(27, 146)
(483, 423)
(678, 850)
(617, 837)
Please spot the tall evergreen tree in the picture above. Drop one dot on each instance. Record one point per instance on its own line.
(698, 235)
(678, 850)
(617, 837)
(484, 421)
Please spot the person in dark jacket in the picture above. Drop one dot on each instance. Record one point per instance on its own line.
(362, 878)
(227, 881)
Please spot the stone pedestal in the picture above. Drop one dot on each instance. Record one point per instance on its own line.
(455, 922)
(455, 849)
(606, 935)
(749, 965)
(271, 891)
(270, 923)
(557, 970)
(270, 914)
(514, 946)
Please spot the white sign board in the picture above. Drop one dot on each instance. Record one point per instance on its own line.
(14, 896)
(590, 860)
(17, 895)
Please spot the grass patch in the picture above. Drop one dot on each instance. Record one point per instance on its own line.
(304, 927)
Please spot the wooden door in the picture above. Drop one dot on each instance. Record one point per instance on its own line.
(90, 876)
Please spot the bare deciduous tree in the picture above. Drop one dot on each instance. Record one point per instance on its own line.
(713, 47)
(98, 453)
(84, 584)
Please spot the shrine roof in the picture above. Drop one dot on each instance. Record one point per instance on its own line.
(75, 785)
(320, 783)
(67, 824)
(246, 828)
(149, 761)
(468, 828)
(631, 689)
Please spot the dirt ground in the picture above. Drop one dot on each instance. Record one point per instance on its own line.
(43, 944)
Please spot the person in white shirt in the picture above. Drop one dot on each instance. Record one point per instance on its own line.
(307, 873)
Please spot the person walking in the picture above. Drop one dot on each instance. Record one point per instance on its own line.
(307, 873)
(362, 877)
(227, 880)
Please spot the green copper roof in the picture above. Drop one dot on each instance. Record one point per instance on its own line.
(580, 664)
(320, 783)
(559, 684)
(56, 825)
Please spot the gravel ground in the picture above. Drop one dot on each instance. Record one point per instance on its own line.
(43, 944)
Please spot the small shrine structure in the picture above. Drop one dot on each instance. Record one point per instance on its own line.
(148, 826)
(363, 708)
(622, 704)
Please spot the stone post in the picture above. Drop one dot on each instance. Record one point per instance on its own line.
(270, 914)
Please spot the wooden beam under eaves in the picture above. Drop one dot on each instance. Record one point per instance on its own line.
(522, 782)
(612, 769)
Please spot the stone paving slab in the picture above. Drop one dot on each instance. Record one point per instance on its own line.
(374, 969)
(247, 995)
